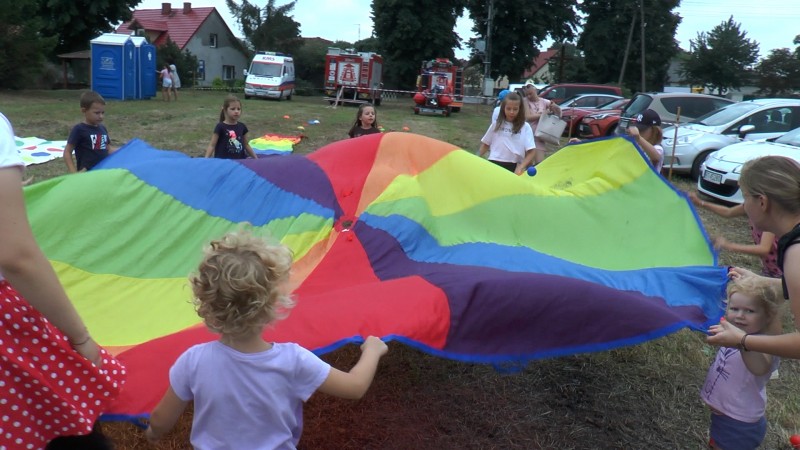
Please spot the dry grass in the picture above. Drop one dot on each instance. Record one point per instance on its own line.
(631, 398)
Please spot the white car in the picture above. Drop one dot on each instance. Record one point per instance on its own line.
(720, 172)
(749, 120)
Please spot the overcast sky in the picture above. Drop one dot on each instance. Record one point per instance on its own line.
(772, 23)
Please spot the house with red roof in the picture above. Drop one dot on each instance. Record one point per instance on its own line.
(537, 73)
(202, 31)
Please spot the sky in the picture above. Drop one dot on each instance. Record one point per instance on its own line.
(772, 23)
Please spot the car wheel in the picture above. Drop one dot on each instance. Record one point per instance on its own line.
(612, 130)
(701, 158)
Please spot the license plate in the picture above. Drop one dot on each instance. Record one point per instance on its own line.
(712, 177)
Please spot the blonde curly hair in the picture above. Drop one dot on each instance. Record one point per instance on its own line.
(763, 290)
(240, 285)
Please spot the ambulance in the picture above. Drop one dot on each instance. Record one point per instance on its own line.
(271, 75)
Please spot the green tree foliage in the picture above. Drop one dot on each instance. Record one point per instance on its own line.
(22, 48)
(571, 68)
(185, 62)
(76, 22)
(779, 73)
(518, 29)
(270, 28)
(722, 58)
(413, 31)
(309, 61)
(605, 37)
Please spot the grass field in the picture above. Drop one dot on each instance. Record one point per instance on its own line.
(632, 398)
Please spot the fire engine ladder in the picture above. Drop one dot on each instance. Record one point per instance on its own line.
(338, 97)
(459, 83)
(364, 77)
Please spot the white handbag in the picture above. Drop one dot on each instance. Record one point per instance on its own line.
(550, 128)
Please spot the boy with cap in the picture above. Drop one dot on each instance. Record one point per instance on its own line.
(647, 133)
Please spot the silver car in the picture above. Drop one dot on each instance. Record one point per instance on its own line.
(749, 120)
(720, 172)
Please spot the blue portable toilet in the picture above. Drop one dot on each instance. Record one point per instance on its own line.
(113, 68)
(145, 62)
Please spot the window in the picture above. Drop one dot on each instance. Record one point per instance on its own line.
(212, 40)
(228, 72)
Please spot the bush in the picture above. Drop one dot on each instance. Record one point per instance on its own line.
(305, 88)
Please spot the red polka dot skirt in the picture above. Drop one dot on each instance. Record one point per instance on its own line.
(47, 389)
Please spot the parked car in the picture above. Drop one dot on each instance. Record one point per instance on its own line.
(720, 172)
(560, 92)
(752, 120)
(666, 104)
(574, 109)
(601, 121)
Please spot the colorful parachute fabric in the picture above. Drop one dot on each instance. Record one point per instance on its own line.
(35, 150)
(395, 235)
(274, 144)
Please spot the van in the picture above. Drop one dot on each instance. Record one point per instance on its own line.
(271, 75)
(557, 93)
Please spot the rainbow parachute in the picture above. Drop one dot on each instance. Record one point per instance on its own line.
(395, 235)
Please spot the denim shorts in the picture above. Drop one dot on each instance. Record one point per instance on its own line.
(732, 434)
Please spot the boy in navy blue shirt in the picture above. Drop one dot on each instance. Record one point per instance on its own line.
(89, 139)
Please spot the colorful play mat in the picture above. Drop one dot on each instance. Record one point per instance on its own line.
(36, 150)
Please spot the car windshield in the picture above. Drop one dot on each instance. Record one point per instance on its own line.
(790, 138)
(614, 104)
(637, 105)
(726, 114)
(265, 70)
(569, 101)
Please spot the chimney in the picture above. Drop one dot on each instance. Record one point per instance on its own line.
(166, 9)
(187, 7)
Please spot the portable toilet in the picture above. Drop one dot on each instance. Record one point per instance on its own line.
(113, 68)
(149, 74)
(145, 72)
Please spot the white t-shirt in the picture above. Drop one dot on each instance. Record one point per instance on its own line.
(247, 400)
(505, 145)
(495, 114)
(9, 155)
(658, 165)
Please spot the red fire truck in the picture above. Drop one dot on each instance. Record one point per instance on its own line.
(353, 77)
(439, 88)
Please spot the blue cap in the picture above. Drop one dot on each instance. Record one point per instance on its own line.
(502, 95)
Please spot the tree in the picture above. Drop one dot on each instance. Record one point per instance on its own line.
(270, 28)
(779, 73)
(605, 37)
(412, 31)
(569, 68)
(76, 22)
(309, 61)
(518, 29)
(22, 47)
(185, 62)
(721, 59)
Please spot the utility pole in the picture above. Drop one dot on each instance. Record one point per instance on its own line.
(488, 89)
(641, 5)
(627, 50)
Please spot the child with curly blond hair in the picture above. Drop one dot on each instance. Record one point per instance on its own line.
(736, 385)
(247, 392)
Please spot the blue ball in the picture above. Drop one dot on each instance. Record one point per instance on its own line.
(531, 171)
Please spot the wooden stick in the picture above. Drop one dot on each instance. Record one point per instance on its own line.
(674, 142)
